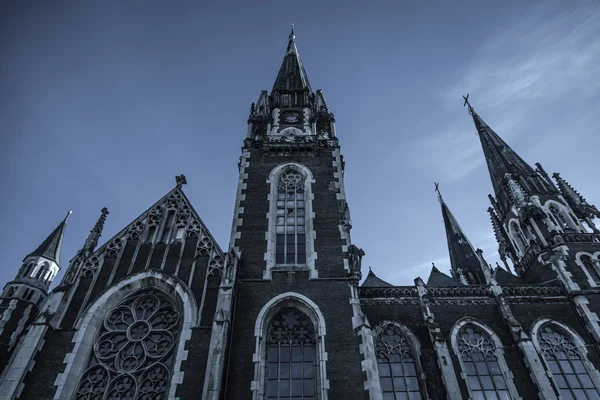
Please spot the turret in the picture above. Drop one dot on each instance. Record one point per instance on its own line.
(292, 113)
(22, 296)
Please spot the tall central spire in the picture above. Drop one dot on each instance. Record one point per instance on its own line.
(292, 75)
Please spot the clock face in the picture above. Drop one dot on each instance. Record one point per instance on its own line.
(291, 118)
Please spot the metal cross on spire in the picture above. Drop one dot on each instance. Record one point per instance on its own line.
(292, 36)
(467, 103)
(437, 189)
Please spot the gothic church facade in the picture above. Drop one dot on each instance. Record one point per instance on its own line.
(161, 311)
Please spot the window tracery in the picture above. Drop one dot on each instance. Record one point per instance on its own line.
(291, 357)
(396, 364)
(591, 268)
(567, 364)
(290, 244)
(132, 355)
(480, 363)
(558, 216)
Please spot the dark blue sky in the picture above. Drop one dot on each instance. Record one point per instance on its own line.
(103, 103)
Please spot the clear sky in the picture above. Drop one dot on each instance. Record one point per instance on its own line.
(102, 103)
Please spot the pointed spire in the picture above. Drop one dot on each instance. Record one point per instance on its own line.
(582, 208)
(92, 241)
(50, 248)
(500, 158)
(463, 258)
(292, 75)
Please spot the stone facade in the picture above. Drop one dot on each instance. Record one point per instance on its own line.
(161, 311)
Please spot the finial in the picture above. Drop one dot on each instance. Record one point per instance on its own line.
(67, 217)
(437, 189)
(180, 180)
(104, 211)
(292, 36)
(467, 103)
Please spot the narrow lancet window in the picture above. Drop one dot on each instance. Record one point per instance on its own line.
(591, 268)
(567, 364)
(480, 364)
(290, 246)
(396, 363)
(291, 357)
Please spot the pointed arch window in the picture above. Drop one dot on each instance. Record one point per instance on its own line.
(485, 371)
(396, 364)
(133, 353)
(591, 268)
(518, 237)
(571, 371)
(558, 216)
(291, 357)
(290, 243)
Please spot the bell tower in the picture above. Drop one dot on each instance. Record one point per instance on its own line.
(291, 230)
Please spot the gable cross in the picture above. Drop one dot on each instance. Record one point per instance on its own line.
(180, 180)
(468, 104)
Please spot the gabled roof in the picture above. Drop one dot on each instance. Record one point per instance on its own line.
(292, 75)
(50, 248)
(164, 201)
(504, 277)
(438, 278)
(373, 281)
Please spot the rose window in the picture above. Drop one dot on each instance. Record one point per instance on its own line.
(133, 354)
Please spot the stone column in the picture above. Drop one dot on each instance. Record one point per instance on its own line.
(439, 343)
(531, 356)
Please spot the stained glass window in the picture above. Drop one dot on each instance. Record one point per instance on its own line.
(290, 244)
(133, 354)
(566, 364)
(291, 357)
(588, 263)
(480, 364)
(396, 363)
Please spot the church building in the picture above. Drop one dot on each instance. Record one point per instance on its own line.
(162, 311)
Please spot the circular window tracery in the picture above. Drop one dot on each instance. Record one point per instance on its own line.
(133, 354)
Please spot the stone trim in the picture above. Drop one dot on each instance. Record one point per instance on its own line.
(581, 347)
(270, 235)
(591, 319)
(90, 320)
(238, 210)
(308, 307)
(345, 224)
(594, 256)
(508, 375)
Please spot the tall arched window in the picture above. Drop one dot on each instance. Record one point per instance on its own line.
(290, 228)
(558, 216)
(133, 353)
(590, 267)
(291, 357)
(480, 355)
(571, 371)
(396, 363)
(518, 237)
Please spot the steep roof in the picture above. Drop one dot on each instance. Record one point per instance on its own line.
(292, 75)
(504, 277)
(50, 248)
(462, 254)
(373, 281)
(438, 278)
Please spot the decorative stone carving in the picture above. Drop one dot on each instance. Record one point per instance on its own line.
(135, 231)
(194, 229)
(204, 247)
(180, 180)
(155, 216)
(88, 271)
(355, 256)
(114, 248)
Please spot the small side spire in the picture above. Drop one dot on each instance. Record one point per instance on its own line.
(464, 260)
(580, 206)
(92, 240)
(51, 247)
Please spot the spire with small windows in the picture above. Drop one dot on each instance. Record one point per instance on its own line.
(50, 248)
(464, 260)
